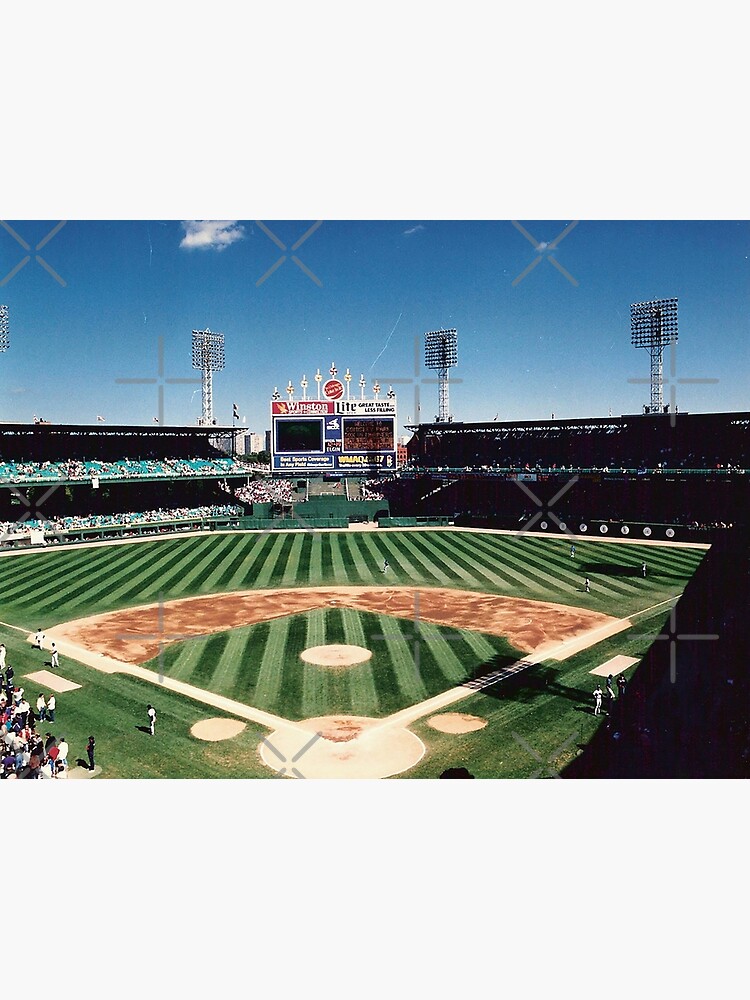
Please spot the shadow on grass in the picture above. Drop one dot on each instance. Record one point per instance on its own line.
(529, 684)
(143, 729)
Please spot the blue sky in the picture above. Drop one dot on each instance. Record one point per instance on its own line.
(526, 350)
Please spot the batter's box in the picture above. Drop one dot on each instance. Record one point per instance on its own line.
(52, 681)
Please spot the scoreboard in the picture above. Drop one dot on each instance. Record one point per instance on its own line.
(333, 435)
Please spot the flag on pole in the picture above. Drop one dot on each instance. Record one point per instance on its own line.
(100, 418)
(235, 412)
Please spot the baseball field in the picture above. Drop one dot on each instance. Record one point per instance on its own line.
(299, 653)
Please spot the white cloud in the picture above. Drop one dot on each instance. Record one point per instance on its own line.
(414, 229)
(210, 235)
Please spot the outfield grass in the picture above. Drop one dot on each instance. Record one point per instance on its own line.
(55, 586)
(260, 665)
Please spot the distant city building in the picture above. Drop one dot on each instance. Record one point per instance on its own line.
(268, 441)
(256, 444)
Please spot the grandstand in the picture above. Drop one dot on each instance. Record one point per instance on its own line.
(684, 471)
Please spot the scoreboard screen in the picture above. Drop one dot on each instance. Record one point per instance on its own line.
(304, 436)
(368, 434)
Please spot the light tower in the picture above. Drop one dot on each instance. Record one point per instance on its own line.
(4, 329)
(653, 325)
(208, 356)
(440, 355)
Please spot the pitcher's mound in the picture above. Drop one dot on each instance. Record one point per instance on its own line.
(456, 722)
(335, 655)
(341, 747)
(214, 730)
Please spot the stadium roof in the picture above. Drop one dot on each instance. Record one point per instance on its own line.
(116, 429)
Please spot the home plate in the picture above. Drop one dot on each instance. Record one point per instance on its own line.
(52, 681)
(614, 666)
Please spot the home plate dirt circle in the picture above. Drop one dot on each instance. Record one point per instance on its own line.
(335, 655)
(456, 722)
(348, 747)
(214, 730)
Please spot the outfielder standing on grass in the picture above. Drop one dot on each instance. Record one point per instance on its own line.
(151, 718)
(55, 657)
(598, 700)
(587, 585)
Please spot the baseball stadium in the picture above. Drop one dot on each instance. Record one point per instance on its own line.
(352, 611)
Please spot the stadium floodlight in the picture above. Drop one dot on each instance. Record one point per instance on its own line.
(440, 355)
(208, 356)
(653, 325)
(4, 329)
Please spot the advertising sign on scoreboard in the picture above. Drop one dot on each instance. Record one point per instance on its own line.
(333, 434)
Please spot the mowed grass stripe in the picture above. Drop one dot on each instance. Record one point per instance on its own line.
(484, 573)
(103, 592)
(468, 556)
(180, 659)
(353, 562)
(453, 658)
(291, 575)
(197, 567)
(78, 580)
(464, 568)
(400, 566)
(339, 699)
(215, 579)
(245, 682)
(508, 578)
(366, 558)
(340, 572)
(271, 665)
(363, 692)
(399, 645)
(479, 644)
(315, 573)
(293, 674)
(281, 562)
(243, 571)
(431, 569)
(314, 679)
(266, 569)
(144, 587)
(31, 567)
(232, 662)
(304, 557)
